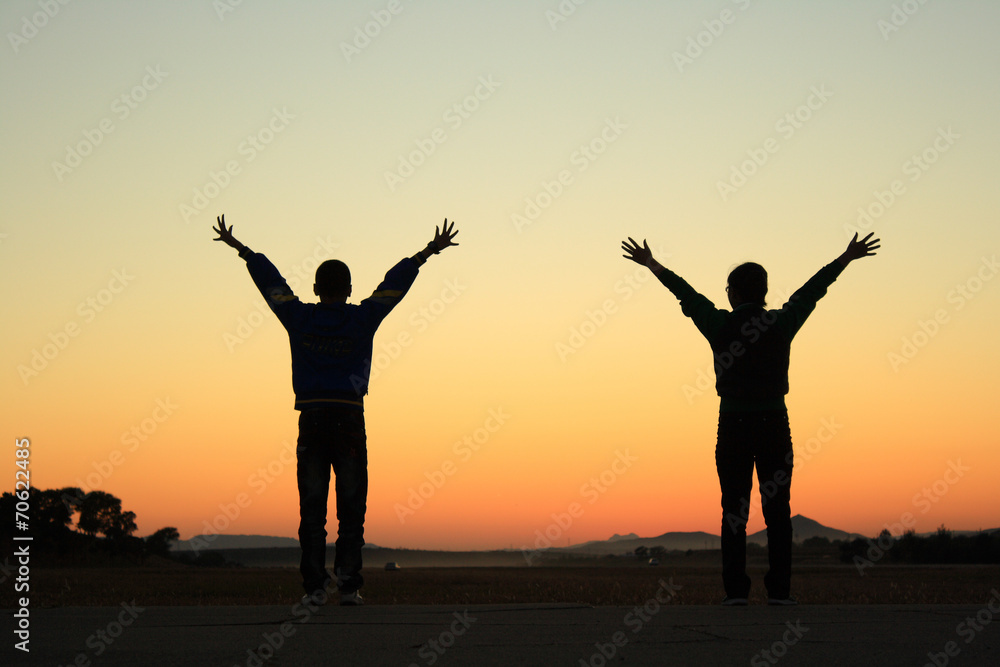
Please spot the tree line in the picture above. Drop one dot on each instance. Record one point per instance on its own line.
(941, 547)
(70, 523)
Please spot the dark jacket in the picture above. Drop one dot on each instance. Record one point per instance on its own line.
(331, 342)
(750, 344)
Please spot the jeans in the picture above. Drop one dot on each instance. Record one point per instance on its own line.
(332, 437)
(763, 439)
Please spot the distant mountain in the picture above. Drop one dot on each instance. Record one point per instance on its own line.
(202, 542)
(669, 541)
(802, 529)
(616, 537)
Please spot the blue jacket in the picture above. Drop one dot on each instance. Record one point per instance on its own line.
(331, 342)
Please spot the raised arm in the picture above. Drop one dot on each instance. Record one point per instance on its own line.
(801, 304)
(443, 238)
(269, 281)
(641, 254)
(702, 312)
(856, 249)
(226, 235)
(400, 277)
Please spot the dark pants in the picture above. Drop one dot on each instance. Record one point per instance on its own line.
(332, 437)
(763, 439)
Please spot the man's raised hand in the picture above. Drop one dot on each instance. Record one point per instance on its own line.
(444, 237)
(638, 254)
(856, 249)
(226, 235)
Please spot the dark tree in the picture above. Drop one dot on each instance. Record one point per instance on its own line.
(48, 518)
(101, 513)
(158, 543)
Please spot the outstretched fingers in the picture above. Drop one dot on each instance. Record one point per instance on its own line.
(222, 231)
(450, 232)
(870, 244)
(444, 235)
(635, 252)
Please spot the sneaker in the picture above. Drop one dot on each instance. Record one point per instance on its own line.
(316, 598)
(734, 602)
(352, 599)
(782, 602)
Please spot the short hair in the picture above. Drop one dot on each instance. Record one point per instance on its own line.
(750, 281)
(333, 278)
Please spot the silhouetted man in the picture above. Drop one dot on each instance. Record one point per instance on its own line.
(331, 358)
(751, 348)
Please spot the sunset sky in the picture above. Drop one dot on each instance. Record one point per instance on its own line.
(532, 367)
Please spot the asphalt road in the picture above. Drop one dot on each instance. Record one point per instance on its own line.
(547, 634)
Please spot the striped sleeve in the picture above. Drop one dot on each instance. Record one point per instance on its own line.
(390, 292)
(273, 287)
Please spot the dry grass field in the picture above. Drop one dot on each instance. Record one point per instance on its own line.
(590, 585)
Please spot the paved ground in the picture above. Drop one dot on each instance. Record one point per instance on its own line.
(511, 635)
